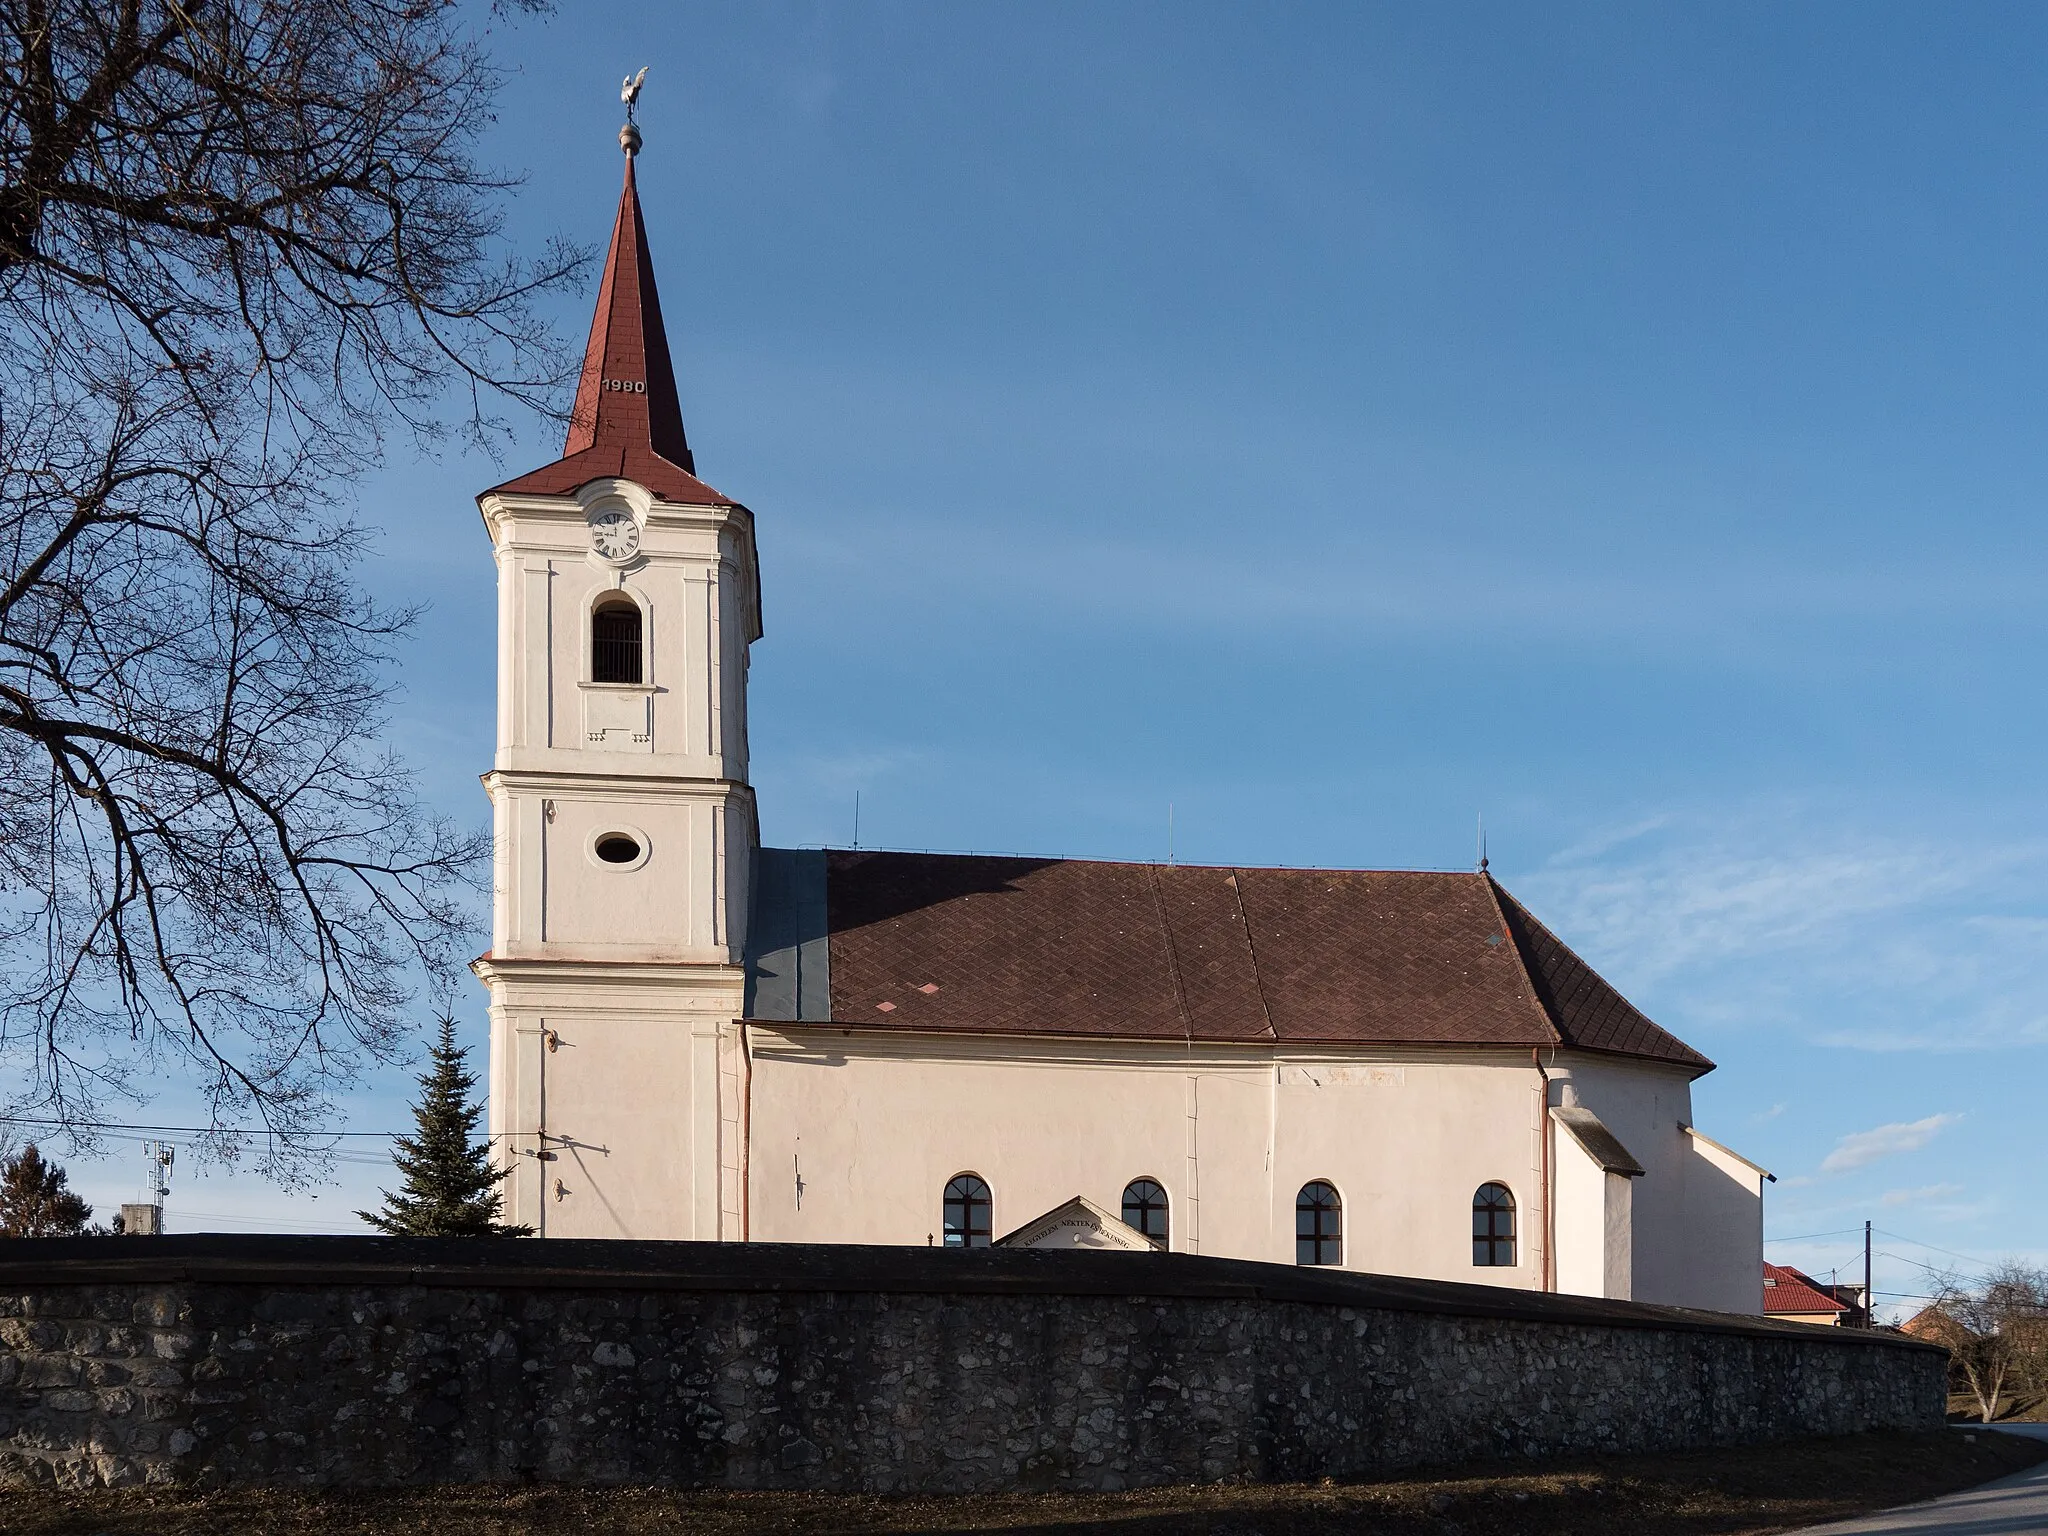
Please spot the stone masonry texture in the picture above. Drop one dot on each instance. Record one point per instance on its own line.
(363, 1361)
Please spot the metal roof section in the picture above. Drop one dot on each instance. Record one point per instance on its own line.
(789, 954)
(1601, 1144)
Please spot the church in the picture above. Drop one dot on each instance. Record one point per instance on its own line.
(693, 1036)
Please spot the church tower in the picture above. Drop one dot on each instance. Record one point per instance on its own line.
(623, 822)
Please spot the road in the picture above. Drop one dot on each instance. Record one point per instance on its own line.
(2012, 1506)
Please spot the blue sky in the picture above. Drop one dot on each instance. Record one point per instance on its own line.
(1338, 421)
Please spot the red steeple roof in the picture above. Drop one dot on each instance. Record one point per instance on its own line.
(628, 419)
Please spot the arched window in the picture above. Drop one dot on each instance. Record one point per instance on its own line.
(969, 1210)
(615, 642)
(1145, 1209)
(1493, 1225)
(1318, 1225)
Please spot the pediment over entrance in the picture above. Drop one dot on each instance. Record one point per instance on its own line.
(1079, 1223)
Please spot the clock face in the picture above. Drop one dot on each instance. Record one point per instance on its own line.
(615, 535)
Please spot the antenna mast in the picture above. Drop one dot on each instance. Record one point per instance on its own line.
(158, 1158)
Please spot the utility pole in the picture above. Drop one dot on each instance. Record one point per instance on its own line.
(1869, 1297)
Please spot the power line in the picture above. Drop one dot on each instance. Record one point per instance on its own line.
(219, 1130)
(1805, 1236)
(1917, 1264)
(191, 1130)
(1974, 1258)
(185, 1213)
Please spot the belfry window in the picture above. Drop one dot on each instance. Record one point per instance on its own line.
(615, 642)
(969, 1211)
(1318, 1225)
(1145, 1209)
(1493, 1226)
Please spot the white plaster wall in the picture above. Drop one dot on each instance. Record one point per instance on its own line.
(633, 1124)
(874, 1125)
(694, 582)
(635, 1108)
(1581, 1220)
(1645, 1105)
(556, 899)
(1725, 1220)
(1617, 1248)
(666, 758)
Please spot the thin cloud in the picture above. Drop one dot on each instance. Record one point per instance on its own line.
(1861, 1148)
(1922, 1195)
(1771, 917)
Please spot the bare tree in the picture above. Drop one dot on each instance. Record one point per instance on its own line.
(1992, 1328)
(240, 241)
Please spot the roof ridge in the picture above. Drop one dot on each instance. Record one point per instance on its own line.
(1251, 949)
(1494, 892)
(1180, 988)
(1574, 1032)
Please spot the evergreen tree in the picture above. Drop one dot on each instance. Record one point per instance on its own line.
(451, 1189)
(34, 1199)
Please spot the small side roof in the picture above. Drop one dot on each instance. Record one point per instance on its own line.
(1601, 1144)
(1699, 1135)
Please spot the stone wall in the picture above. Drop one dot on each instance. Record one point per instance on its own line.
(214, 1360)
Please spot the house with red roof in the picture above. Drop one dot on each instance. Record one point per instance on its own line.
(694, 1036)
(1794, 1297)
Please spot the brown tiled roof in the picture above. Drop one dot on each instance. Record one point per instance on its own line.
(1148, 951)
(1787, 1290)
(634, 432)
(1588, 1011)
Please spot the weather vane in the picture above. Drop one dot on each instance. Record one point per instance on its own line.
(629, 93)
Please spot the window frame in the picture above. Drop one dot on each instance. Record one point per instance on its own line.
(969, 1202)
(1319, 1239)
(1493, 1239)
(1163, 1238)
(618, 600)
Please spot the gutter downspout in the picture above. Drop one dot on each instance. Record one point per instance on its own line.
(1543, 1134)
(746, 1148)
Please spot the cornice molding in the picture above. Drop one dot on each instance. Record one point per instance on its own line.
(656, 782)
(590, 977)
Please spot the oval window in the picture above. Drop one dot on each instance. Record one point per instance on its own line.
(617, 848)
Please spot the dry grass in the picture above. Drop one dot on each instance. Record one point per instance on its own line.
(2013, 1408)
(1766, 1489)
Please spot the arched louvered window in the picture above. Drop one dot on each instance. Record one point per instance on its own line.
(1493, 1226)
(1145, 1209)
(1318, 1224)
(969, 1211)
(615, 642)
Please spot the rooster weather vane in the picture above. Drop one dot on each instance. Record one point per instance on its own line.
(629, 93)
